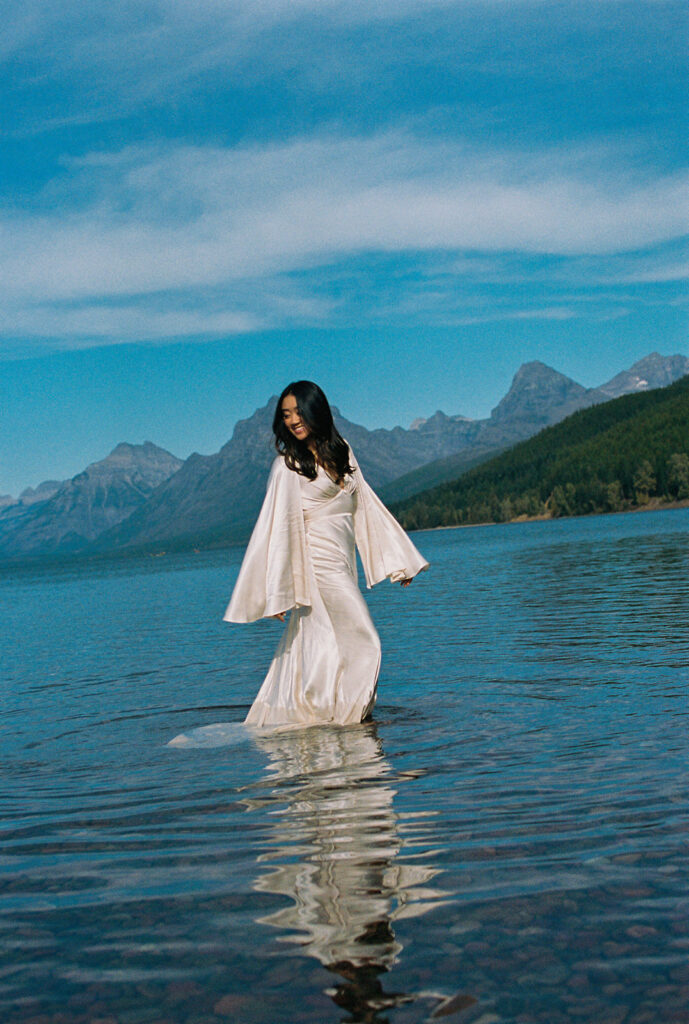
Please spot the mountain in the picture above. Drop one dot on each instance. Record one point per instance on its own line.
(212, 500)
(208, 495)
(82, 508)
(609, 457)
(654, 371)
(31, 495)
(437, 472)
(540, 395)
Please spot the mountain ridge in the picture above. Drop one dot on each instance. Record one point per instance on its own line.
(198, 494)
(212, 500)
(82, 508)
(614, 456)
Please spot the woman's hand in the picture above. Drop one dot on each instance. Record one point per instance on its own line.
(281, 615)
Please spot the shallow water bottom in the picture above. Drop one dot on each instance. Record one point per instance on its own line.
(373, 873)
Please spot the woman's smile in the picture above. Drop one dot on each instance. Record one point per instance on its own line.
(292, 418)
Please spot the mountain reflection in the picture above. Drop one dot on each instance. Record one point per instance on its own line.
(337, 856)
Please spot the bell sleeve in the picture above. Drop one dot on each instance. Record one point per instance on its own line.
(384, 546)
(273, 576)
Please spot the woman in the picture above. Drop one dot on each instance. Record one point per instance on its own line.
(301, 558)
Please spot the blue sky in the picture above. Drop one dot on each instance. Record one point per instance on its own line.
(401, 200)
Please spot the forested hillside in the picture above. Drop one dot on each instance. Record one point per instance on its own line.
(434, 473)
(616, 456)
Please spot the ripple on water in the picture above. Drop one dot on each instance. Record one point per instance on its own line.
(506, 842)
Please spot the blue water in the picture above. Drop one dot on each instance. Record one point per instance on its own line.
(507, 841)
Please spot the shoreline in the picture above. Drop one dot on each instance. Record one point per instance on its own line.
(652, 506)
(122, 556)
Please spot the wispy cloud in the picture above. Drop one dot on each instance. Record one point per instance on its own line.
(547, 313)
(105, 60)
(287, 148)
(81, 61)
(90, 325)
(180, 220)
(659, 273)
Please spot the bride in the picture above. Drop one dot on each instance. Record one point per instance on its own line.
(301, 559)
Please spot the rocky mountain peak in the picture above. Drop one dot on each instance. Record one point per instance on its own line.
(126, 450)
(259, 421)
(30, 495)
(82, 508)
(653, 371)
(538, 393)
(146, 462)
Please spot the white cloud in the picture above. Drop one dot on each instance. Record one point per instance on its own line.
(547, 313)
(183, 220)
(662, 273)
(99, 324)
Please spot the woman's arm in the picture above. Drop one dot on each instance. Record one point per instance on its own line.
(273, 576)
(385, 548)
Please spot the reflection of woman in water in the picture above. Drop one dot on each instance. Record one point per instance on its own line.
(301, 558)
(347, 885)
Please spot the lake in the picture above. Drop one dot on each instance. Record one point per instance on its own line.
(507, 841)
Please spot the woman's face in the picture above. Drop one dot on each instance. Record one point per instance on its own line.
(292, 418)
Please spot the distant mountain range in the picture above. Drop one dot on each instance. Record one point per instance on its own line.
(143, 498)
(74, 513)
(538, 398)
(32, 494)
(629, 452)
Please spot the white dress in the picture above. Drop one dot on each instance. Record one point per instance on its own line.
(301, 557)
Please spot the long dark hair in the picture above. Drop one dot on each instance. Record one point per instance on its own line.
(314, 409)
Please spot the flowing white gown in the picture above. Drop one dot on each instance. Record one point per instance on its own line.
(301, 557)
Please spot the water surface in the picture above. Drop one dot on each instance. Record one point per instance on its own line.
(507, 841)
